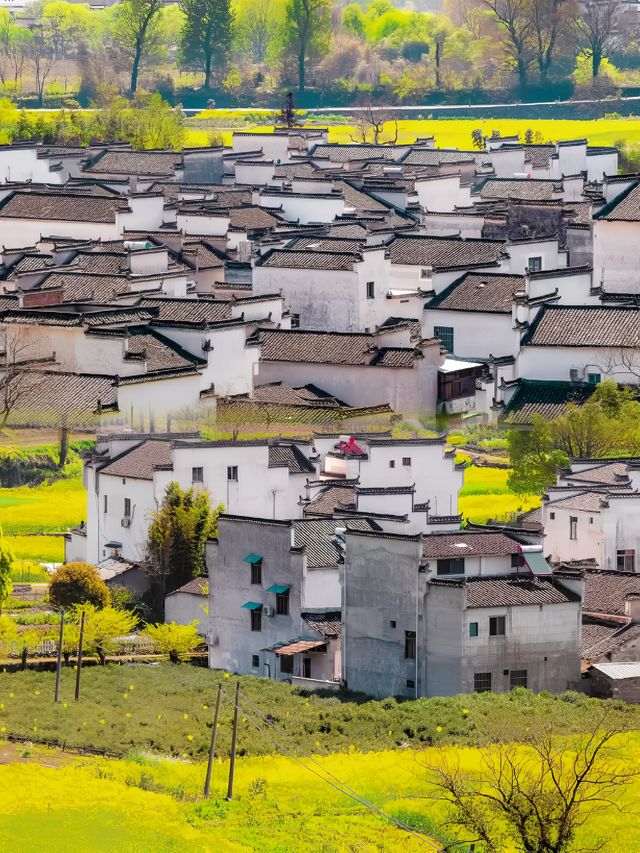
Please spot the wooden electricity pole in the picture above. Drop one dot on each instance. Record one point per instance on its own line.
(59, 660)
(234, 740)
(212, 747)
(79, 665)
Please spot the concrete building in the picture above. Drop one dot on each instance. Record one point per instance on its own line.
(189, 603)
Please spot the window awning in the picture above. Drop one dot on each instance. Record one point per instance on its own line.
(252, 558)
(294, 647)
(252, 605)
(279, 588)
(536, 562)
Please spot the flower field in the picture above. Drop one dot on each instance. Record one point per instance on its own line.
(485, 495)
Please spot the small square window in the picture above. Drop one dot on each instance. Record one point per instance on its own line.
(552, 515)
(594, 378)
(411, 683)
(406, 461)
(518, 678)
(445, 333)
(392, 623)
(626, 560)
(255, 661)
(534, 264)
(425, 272)
(410, 645)
(481, 682)
(473, 629)
(517, 561)
(232, 473)
(371, 289)
(197, 475)
(392, 463)
(450, 566)
(256, 572)
(497, 626)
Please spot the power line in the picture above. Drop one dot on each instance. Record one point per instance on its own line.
(341, 786)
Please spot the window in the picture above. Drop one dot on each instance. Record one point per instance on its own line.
(392, 463)
(406, 461)
(127, 507)
(410, 645)
(282, 603)
(445, 333)
(232, 472)
(255, 661)
(552, 515)
(573, 527)
(106, 503)
(425, 272)
(626, 561)
(371, 289)
(256, 572)
(286, 664)
(411, 683)
(197, 475)
(481, 682)
(453, 566)
(256, 619)
(497, 625)
(590, 519)
(473, 629)
(517, 561)
(392, 623)
(517, 678)
(594, 378)
(534, 264)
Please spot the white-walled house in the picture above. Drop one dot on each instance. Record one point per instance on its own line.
(456, 612)
(616, 231)
(189, 603)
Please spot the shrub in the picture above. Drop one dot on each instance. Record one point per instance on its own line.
(103, 627)
(174, 640)
(77, 583)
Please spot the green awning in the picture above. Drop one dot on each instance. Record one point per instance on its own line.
(252, 605)
(252, 558)
(279, 588)
(536, 562)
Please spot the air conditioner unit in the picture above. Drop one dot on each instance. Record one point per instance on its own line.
(576, 374)
(125, 522)
(207, 346)
(268, 610)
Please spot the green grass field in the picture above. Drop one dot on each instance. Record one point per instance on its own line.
(456, 133)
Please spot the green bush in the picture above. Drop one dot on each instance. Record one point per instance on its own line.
(78, 583)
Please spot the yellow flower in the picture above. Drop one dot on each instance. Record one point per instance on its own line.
(36, 692)
(35, 728)
(128, 714)
(390, 732)
(159, 716)
(184, 755)
(102, 722)
(438, 728)
(75, 667)
(318, 743)
(226, 675)
(10, 695)
(131, 686)
(204, 707)
(185, 716)
(3, 728)
(65, 705)
(189, 737)
(84, 724)
(1, 704)
(465, 711)
(125, 695)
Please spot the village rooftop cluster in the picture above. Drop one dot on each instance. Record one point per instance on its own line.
(286, 279)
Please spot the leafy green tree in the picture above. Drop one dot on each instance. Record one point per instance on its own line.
(174, 640)
(206, 34)
(77, 583)
(102, 628)
(14, 48)
(309, 32)
(136, 31)
(176, 541)
(534, 458)
(6, 569)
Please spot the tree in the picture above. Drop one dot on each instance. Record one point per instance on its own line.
(552, 21)
(174, 640)
(206, 34)
(177, 535)
(309, 31)
(8, 633)
(6, 569)
(287, 115)
(14, 47)
(596, 28)
(17, 381)
(136, 32)
(370, 125)
(535, 461)
(43, 56)
(77, 583)
(257, 26)
(536, 796)
(102, 627)
(514, 18)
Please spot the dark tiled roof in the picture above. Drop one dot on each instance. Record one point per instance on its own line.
(203, 254)
(140, 462)
(289, 456)
(111, 263)
(49, 397)
(317, 536)
(196, 586)
(252, 218)
(444, 252)
(345, 153)
(326, 624)
(331, 348)
(596, 326)
(548, 399)
(539, 156)
(278, 394)
(308, 259)
(584, 501)
(609, 474)
(61, 207)
(135, 163)
(84, 287)
(360, 200)
(514, 591)
(332, 499)
(529, 190)
(328, 244)
(601, 637)
(437, 156)
(625, 208)
(196, 311)
(488, 292)
(159, 352)
(605, 591)
(475, 545)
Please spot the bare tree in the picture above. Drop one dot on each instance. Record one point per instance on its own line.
(43, 57)
(596, 30)
(18, 381)
(370, 126)
(551, 21)
(536, 796)
(514, 16)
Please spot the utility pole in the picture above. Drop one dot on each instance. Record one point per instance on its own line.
(59, 660)
(79, 665)
(212, 747)
(234, 740)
